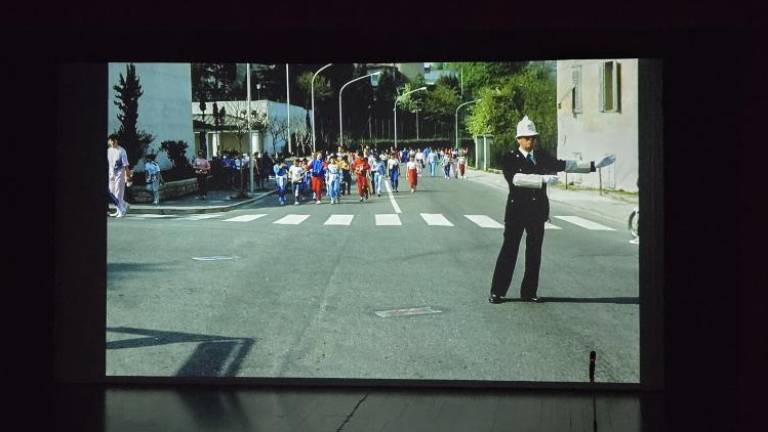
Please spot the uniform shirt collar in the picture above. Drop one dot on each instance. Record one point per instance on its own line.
(525, 153)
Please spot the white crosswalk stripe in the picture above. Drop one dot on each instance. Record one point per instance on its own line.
(585, 223)
(484, 221)
(388, 219)
(436, 219)
(202, 216)
(151, 216)
(292, 219)
(339, 219)
(245, 218)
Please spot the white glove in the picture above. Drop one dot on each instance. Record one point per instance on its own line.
(605, 161)
(550, 179)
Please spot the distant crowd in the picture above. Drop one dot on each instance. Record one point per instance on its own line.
(332, 174)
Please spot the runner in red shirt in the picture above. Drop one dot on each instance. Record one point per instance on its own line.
(361, 167)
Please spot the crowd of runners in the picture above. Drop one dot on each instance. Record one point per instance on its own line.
(332, 174)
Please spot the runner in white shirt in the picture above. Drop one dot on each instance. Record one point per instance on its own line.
(412, 169)
(420, 159)
(432, 161)
(462, 163)
(333, 180)
(394, 170)
(296, 174)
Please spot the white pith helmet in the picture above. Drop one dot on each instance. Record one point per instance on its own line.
(526, 128)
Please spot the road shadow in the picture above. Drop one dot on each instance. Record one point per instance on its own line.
(117, 272)
(218, 356)
(134, 267)
(596, 300)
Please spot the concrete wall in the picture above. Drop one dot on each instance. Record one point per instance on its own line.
(164, 109)
(228, 140)
(593, 133)
(411, 70)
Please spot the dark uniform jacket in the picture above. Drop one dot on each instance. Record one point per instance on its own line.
(525, 204)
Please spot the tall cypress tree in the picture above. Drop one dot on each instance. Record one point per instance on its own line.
(128, 92)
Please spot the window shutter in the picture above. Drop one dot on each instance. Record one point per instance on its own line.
(576, 89)
(601, 80)
(617, 88)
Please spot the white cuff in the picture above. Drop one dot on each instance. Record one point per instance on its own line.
(573, 166)
(529, 181)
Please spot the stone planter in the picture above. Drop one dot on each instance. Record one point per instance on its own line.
(168, 191)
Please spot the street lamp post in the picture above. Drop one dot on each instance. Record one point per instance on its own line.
(395, 107)
(341, 129)
(248, 120)
(312, 86)
(288, 105)
(457, 119)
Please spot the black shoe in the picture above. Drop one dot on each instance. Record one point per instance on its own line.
(532, 299)
(495, 299)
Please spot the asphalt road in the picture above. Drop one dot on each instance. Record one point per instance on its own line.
(317, 300)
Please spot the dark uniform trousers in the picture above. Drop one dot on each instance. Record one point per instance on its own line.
(527, 210)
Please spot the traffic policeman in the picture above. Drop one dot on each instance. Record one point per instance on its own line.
(528, 171)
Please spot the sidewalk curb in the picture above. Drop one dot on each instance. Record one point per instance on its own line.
(581, 207)
(196, 210)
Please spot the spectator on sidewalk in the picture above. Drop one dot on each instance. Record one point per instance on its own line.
(202, 169)
(119, 173)
(258, 171)
(153, 177)
(266, 166)
(528, 170)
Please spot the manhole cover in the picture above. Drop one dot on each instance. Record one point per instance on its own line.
(215, 258)
(407, 312)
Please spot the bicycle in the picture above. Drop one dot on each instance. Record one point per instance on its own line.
(634, 225)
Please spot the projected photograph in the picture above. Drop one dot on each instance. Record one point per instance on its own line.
(403, 221)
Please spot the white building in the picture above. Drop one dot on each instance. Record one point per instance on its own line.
(163, 108)
(410, 70)
(218, 141)
(597, 114)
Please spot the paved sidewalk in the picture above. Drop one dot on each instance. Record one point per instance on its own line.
(218, 201)
(613, 206)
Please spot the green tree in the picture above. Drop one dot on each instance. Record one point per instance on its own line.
(476, 75)
(440, 102)
(128, 91)
(304, 84)
(529, 92)
(177, 153)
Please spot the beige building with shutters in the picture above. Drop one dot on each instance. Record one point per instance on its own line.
(597, 114)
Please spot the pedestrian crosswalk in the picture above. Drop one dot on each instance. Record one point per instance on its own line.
(585, 223)
(436, 219)
(484, 221)
(385, 219)
(244, 218)
(388, 219)
(339, 219)
(292, 219)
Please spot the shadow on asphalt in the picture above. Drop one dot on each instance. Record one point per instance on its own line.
(612, 300)
(209, 358)
(134, 267)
